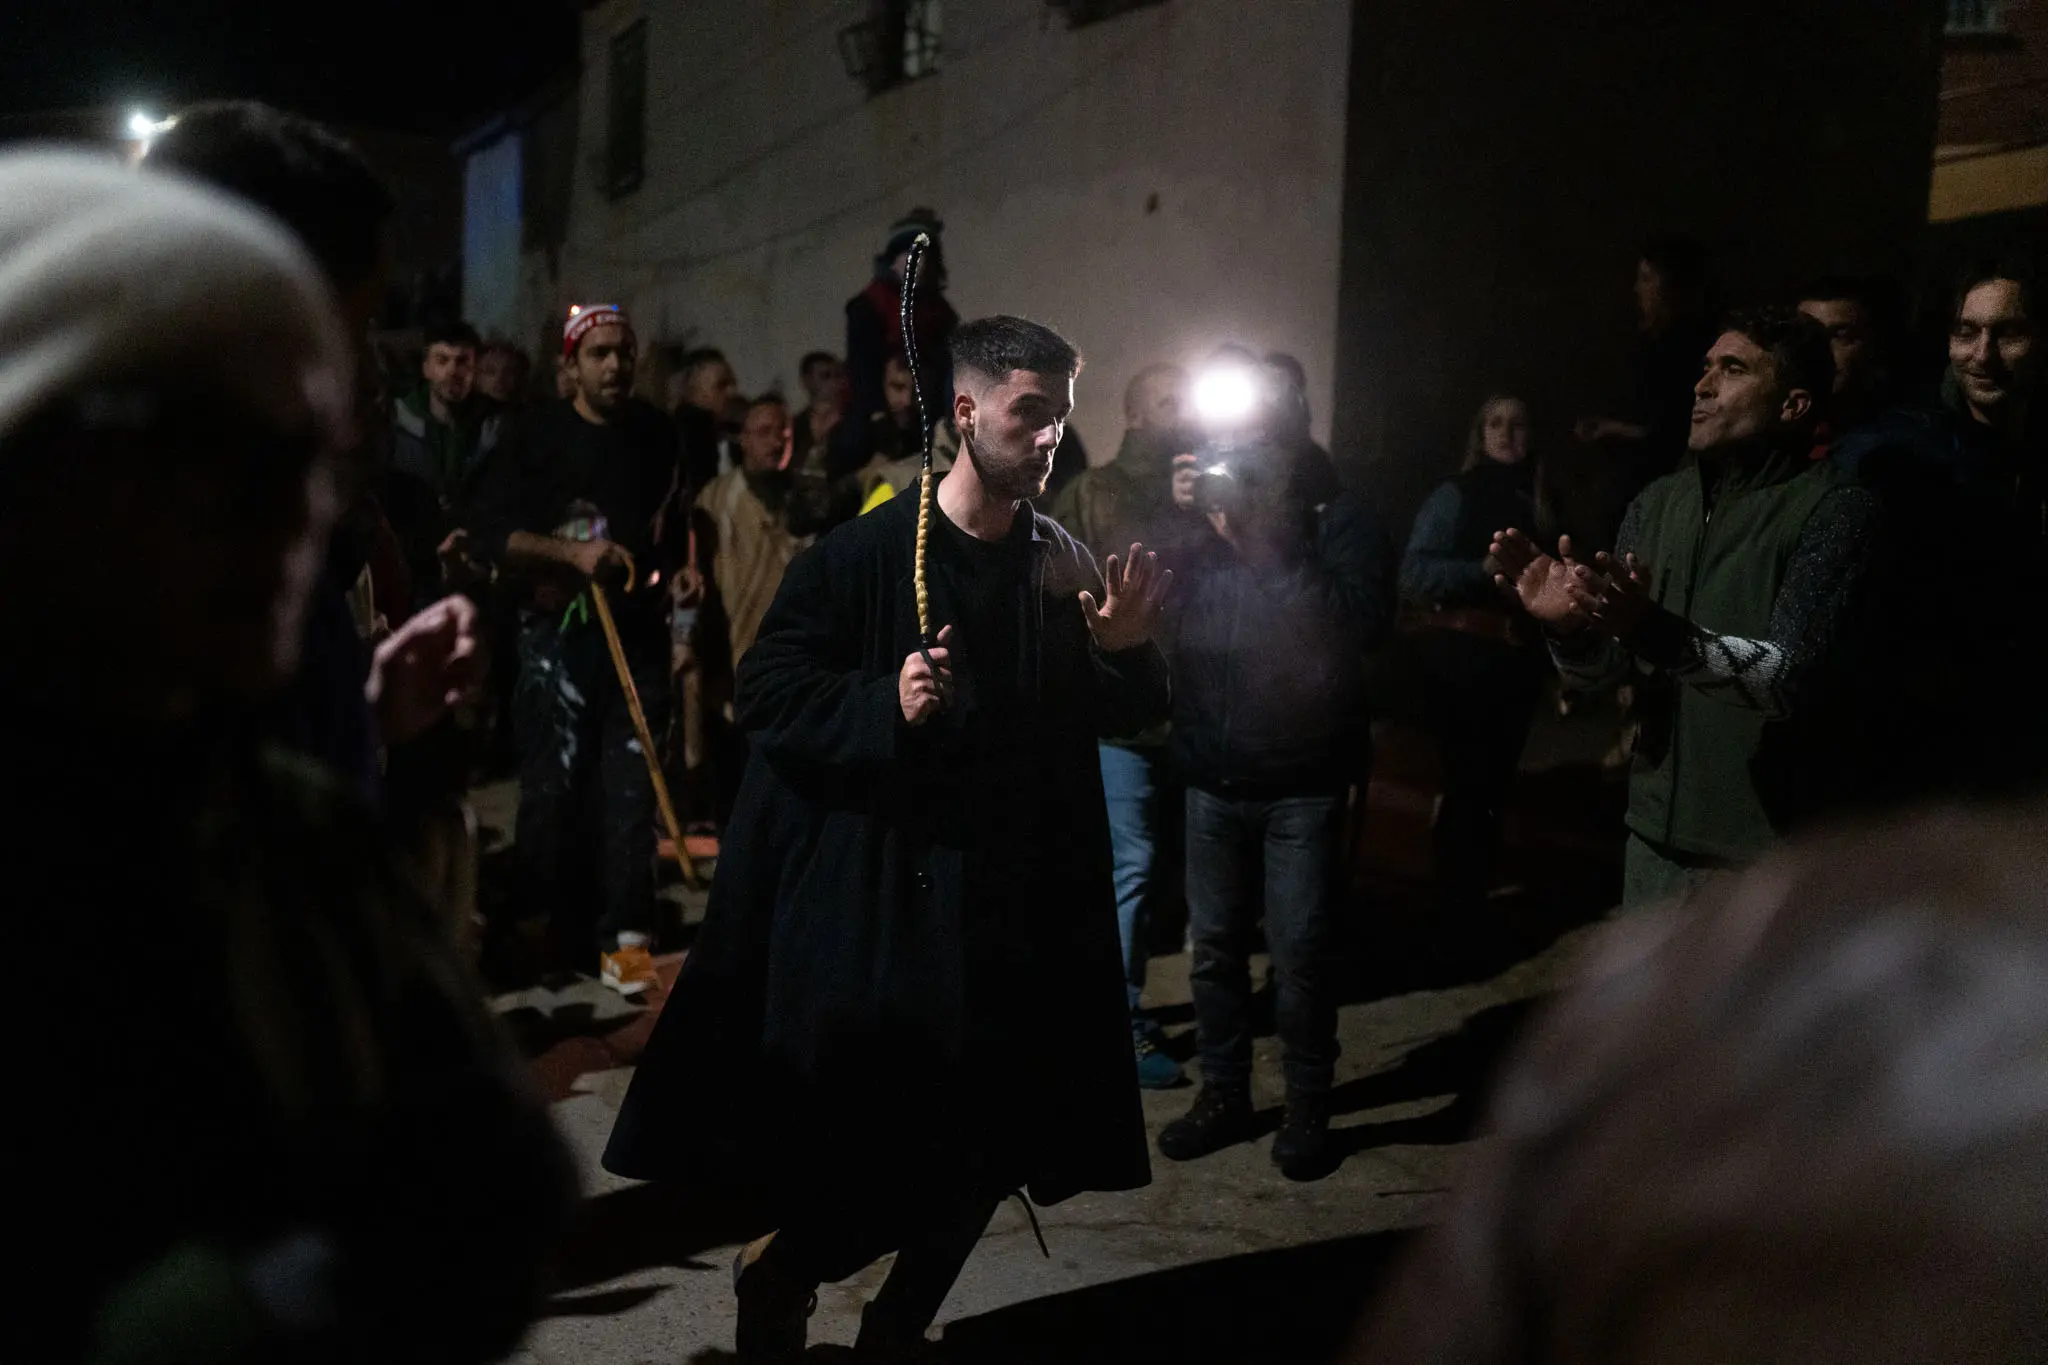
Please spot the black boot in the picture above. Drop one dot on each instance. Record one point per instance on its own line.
(1302, 1148)
(1218, 1118)
(774, 1309)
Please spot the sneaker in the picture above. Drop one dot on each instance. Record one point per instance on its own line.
(1302, 1148)
(774, 1310)
(629, 971)
(1218, 1119)
(1156, 1070)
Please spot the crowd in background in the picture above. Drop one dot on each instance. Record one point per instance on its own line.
(1806, 560)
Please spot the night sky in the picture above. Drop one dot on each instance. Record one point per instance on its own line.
(436, 66)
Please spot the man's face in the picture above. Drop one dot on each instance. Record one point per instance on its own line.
(604, 367)
(1011, 428)
(1992, 348)
(1653, 306)
(822, 380)
(1162, 400)
(716, 389)
(1848, 329)
(209, 532)
(450, 371)
(897, 389)
(764, 436)
(1738, 399)
(499, 375)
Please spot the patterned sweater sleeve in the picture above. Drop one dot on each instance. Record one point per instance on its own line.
(1814, 602)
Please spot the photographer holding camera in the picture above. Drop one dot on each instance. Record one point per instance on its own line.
(1270, 726)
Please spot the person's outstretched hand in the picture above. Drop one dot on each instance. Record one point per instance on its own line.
(1556, 590)
(920, 687)
(1133, 590)
(419, 674)
(1624, 598)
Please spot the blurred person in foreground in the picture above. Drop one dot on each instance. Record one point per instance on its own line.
(299, 1136)
(1731, 600)
(583, 500)
(1803, 1120)
(375, 700)
(904, 1005)
(1482, 656)
(1271, 732)
(1131, 499)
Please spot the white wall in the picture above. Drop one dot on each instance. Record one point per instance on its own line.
(1151, 185)
(492, 202)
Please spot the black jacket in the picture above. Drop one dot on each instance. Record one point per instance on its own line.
(910, 958)
(1269, 664)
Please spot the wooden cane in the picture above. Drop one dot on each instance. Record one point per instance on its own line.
(668, 811)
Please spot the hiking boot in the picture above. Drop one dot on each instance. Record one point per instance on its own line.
(1302, 1148)
(774, 1310)
(1156, 1070)
(629, 971)
(884, 1341)
(1218, 1118)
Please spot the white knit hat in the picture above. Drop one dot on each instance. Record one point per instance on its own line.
(110, 275)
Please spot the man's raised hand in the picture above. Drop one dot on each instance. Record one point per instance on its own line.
(1133, 590)
(1624, 596)
(921, 687)
(1556, 590)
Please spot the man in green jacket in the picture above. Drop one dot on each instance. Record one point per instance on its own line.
(1726, 599)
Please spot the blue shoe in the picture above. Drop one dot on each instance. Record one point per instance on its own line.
(1156, 1070)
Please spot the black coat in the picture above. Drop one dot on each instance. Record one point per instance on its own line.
(909, 963)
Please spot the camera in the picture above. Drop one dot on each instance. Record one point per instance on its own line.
(1244, 411)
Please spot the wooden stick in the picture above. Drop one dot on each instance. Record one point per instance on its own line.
(668, 811)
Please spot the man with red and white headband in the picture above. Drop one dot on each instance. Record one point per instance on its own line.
(584, 498)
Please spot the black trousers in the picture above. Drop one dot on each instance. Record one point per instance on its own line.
(932, 1233)
(1481, 698)
(585, 830)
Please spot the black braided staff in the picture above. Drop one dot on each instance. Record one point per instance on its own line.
(926, 636)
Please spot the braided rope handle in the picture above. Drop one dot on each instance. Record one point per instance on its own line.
(918, 246)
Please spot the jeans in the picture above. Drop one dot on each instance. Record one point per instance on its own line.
(1297, 842)
(585, 829)
(1134, 786)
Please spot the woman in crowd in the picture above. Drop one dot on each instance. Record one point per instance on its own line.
(1480, 655)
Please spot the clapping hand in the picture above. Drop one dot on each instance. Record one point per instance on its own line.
(1556, 590)
(1624, 594)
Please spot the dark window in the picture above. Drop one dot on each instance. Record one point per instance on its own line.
(625, 127)
(1081, 12)
(1975, 18)
(897, 42)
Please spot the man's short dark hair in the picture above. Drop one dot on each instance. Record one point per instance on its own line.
(813, 360)
(1879, 296)
(1681, 262)
(2021, 272)
(770, 399)
(1798, 346)
(452, 332)
(301, 173)
(700, 358)
(998, 345)
(505, 346)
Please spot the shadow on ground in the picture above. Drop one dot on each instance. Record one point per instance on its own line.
(1295, 1306)
(646, 1226)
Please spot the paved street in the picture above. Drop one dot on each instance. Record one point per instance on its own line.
(1220, 1260)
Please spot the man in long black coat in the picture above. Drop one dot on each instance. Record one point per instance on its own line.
(907, 1002)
